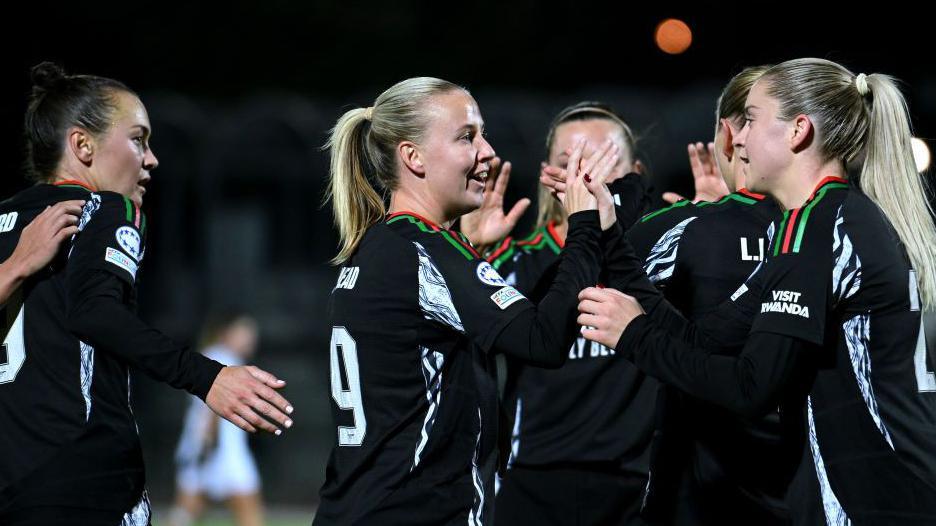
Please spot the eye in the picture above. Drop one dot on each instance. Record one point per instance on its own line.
(141, 142)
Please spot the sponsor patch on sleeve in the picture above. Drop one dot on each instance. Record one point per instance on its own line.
(785, 302)
(506, 297)
(120, 259)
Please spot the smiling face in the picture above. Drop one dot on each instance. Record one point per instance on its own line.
(454, 153)
(122, 157)
(763, 144)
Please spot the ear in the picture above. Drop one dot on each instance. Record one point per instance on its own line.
(801, 133)
(411, 157)
(727, 133)
(639, 167)
(80, 144)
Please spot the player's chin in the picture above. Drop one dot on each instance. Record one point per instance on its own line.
(469, 205)
(137, 195)
(475, 200)
(752, 182)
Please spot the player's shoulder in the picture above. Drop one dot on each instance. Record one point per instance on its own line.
(743, 205)
(741, 214)
(861, 214)
(39, 196)
(116, 205)
(384, 244)
(105, 211)
(742, 198)
(437, 241)
(665, 226)
(665, 218)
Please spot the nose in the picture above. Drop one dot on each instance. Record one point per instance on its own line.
(740, 138)
(150, 162)
(485, 150)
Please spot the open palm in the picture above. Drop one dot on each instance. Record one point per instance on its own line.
(489, 224)
(707, 178)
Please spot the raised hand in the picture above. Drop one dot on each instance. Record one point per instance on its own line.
(489, 224)
(706, 177)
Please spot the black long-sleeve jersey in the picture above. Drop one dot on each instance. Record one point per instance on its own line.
(728, 467)
(68, 433)
(835, 337)
(594, 411)
(416, 318)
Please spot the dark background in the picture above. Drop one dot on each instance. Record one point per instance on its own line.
(241, 95)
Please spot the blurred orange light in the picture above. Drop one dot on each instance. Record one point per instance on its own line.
(673, 36)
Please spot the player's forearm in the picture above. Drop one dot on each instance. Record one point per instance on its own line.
(625, 272)
(631, 197)
(749, 383)
(12, 275)
(724, 330)
(543, 336)
(97, 315)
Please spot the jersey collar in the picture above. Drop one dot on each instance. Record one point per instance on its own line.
(825, 182)
(753, 195)
(428, 223)
(73, 182)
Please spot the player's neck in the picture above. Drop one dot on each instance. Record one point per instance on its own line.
(798, 185)
(64, 174)
(403, 201)
(561, 229)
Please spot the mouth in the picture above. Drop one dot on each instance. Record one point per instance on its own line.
(744, 160)
(480, 177)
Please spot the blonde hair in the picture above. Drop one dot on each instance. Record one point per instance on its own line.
(732, 99)
(363, 143)
(548, 208)
(870, 119)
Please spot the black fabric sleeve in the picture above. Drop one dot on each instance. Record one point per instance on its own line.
(649, 229)
(631, 195)
(750, 383)
(98, 314)
(625, 272)
(721, 330)
(543, 336)
(795, 294)
(100, 279)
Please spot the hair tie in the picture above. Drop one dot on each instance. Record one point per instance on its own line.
(861, 82)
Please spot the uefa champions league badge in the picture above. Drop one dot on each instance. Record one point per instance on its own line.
(129, 240)
(489, 276)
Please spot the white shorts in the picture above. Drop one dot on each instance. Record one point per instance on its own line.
(227, 471)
